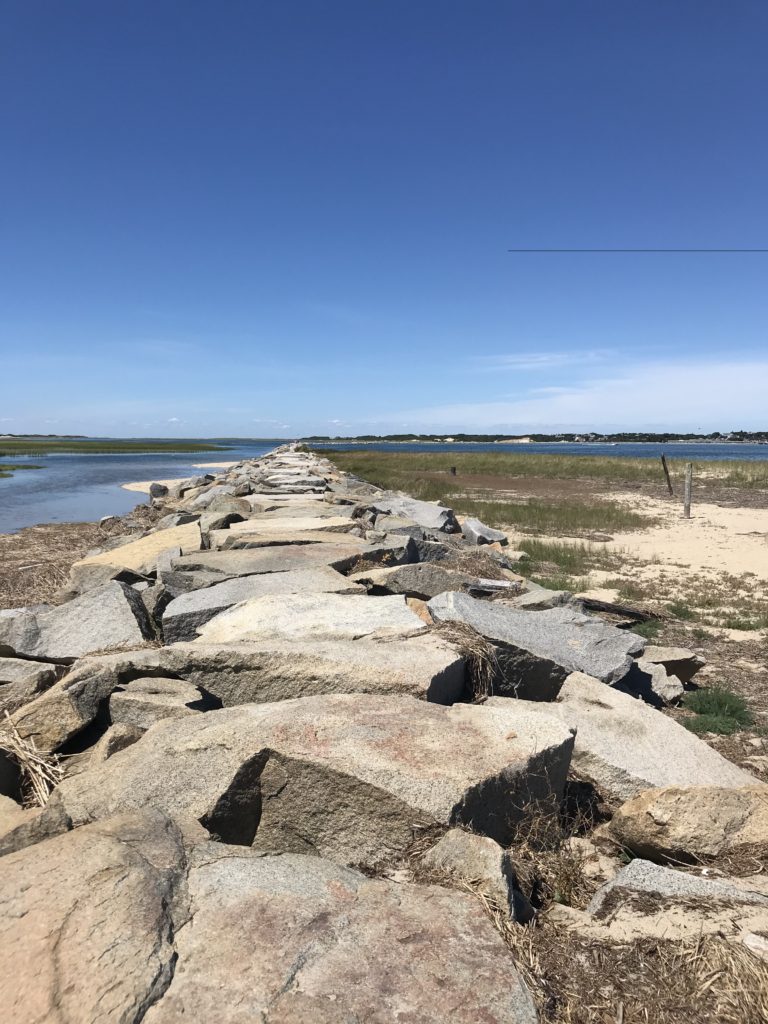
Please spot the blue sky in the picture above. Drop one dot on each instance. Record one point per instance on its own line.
(273, 218)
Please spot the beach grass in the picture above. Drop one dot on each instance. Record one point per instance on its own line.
(49, 446)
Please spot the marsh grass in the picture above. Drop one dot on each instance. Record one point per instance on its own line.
(388, 468)
(427, 477)
(718, 601)
(561, 518)
(681, 610)
(7, 468)
(47, 446)
(569, 559)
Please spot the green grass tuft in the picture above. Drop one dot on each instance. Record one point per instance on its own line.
(650, 629)
(717, 710)
(681, 611)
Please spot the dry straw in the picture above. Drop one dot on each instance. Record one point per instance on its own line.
(40, 773)
(479, 654)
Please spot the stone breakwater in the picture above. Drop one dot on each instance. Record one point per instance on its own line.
(302, 717)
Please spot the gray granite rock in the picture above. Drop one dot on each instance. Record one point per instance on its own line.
(649, 680)
(342, 776)
(428, 514)
(24, 827)
(86, 929)
(625, 747)
(538, 650)
(342, 555)
(188, 612)
(84, 577)
(481, 861)
(150, 699)
(476, 532)
(297, 939)
(21, 681)
(678, 661)
(424, 580)
(537, 598)
(109, 616)
(117, 737)
(399, 524)
(217, 520)
(648, 901)
(276, 669)
(643, 876)
(307, 616)
(685, 824)
(208, 496)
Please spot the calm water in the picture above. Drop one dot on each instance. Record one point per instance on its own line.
(689, 452)
(77, 488)
(80, 488)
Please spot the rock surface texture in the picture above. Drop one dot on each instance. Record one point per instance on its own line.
(345, 776)
(538, 649)
(625, 747)
(306, 767)
(85, 922)
(325, 944)
(679, 824)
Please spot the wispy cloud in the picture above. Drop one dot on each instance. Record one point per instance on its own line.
(541, 361)
(680, 394)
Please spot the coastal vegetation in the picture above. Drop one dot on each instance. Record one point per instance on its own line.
(7, 468)
(48, 446)
(717, 710)
(406, 470)
(564, 509)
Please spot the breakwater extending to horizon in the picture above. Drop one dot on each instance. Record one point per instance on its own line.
(84, 486)
(310, 721)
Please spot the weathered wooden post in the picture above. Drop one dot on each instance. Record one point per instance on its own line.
(687, 493)
(453, 471)
(665, 467)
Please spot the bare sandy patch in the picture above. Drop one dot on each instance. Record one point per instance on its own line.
(213, 465)
(142, 486)
(733, 540)
(716, 539)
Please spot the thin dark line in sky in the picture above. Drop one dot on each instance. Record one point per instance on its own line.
(637, 250)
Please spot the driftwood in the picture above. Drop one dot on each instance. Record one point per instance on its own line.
(638, 614)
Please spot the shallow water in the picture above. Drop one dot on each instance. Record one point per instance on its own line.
(81, 488)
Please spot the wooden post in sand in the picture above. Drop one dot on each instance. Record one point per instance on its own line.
(665, 467)
(687, 493)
